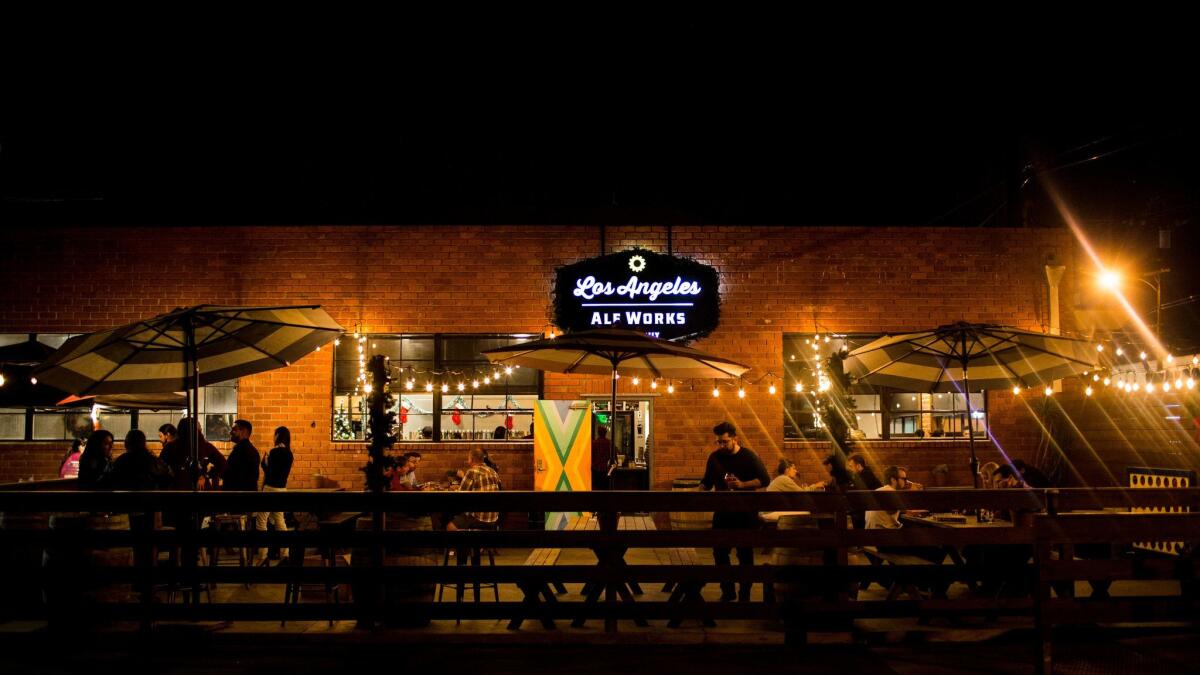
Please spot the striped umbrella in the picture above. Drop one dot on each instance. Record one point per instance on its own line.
(961, 356)
(606, 351)
(185, 349)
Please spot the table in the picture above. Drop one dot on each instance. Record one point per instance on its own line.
(610, 556)
(957, 557)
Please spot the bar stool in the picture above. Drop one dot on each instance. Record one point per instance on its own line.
(237, 523)
(476, 559)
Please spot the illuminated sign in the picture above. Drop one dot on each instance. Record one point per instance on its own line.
(660, 295)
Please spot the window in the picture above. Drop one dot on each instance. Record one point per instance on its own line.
(45, 422)
(444, 388)
(875, 412)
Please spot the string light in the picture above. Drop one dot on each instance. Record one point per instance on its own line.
(487, 379)
(1016, 390)
(1149, 387)
(741, 393)
(826, 339)
(508, 370)
(474, 384)
(1120, 351)
(654, 384)
(636, 380)
(1142, 356)
(1170, 358)
(1096, 377)
(462, 387)
(799, 387)
(408, 385)
(1088, 391)
(1107, 381)
(716, 393)
(1099, 348)
(670, 388)
(428, 386)
(1179, 383)
(1191, 384)
(771, 390)
(1, 380)
(367, 388)
(1137, 386)
(445, 388)
(1166, 386)
(1049, 391)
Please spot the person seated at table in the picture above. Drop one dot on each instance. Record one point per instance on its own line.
(414, 460)
(398, 474)
(784, 481)
(862, 474)
(479, 477)
(1031, 475)
(985, 475)
(839, 477)
(897, 479)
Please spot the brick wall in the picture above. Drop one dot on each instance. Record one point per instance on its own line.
(775, 280)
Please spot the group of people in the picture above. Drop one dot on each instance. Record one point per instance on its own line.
(480, 475)
(174, 469)
(735, 467)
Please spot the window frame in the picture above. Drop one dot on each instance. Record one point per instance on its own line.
(437, 397)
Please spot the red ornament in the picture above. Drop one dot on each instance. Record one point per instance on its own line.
(508, 422)
(403, 415)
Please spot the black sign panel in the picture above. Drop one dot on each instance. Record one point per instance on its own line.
(660, 295)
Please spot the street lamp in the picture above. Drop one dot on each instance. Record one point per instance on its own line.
(1112, 281)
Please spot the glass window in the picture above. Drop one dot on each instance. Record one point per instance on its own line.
(444, 388)
(938, 415)
(12, 424)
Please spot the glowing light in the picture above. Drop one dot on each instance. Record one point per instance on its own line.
(1166, 386)
(508, 371)
(374, 346)
(771, 390)
(741, 393)
(408, 385)
(445, 388)
(654, 384)
(716, 393)
(636, 380)
(1, 380)
(1016, 391)
(816, 347)
(1142, 356)
(487, 379)
(1107, 381)
(1120, 351)
(462, 387)
(1149, 387)
(1110, 280)
(428, 386)
(474, 384)
(1099, 348)
(670, 389)
(1049, 391)
(1179, 383)
(1170, 358)
(1195, 360)
(1088, 391)
(799, 387)
(1096, 378)
(1191, 384)
(33, 380)
(1137, 386)
(826, 338)
(337, 343)
(367, 387)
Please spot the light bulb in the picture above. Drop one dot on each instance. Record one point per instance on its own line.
(1142, 356)
(1049, 391)
(1137, 386)
(716, 393)
(1099, 348)
(445, 388)
(508, 371)
(1170, 358)
(337, 343)
(741, 393)
(816, 347)
(826, 338)
(771, 390)
(474, 384)
(1107, 381)
(1096, 378)
(1088, 391)
(670, 389)
(1179, 383)
(636, 380)
(1149, 387)
(428, 386)
(1195, 360)
(33, 380)
(487, 379)
(408, 385)
(1166, 386)
(1191, 384)
(374, 346)
(799, 387)
(1120, 351)
(654, 384)
(367, 387)
(1016, 391)
(462, 387)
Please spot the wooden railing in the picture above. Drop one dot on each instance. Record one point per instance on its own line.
(1050, 524)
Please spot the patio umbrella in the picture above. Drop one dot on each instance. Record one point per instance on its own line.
(173, 400)
(609, 351)
(185, 349)
(955, 357)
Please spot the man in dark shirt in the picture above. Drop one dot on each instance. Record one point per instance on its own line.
(242, 471)
(601, 449)
(733, 467)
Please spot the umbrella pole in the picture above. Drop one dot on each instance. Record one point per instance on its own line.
(971, 429)
(612, 427)
(193, 388)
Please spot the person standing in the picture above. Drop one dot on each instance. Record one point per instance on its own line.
(733, 467)
(277, 466)
(601, 451)
(242, 472)
(70, 464)
(138, 468)
(210, 464)
(96, 459)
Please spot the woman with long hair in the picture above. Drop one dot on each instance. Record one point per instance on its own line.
(138, 468)
(277, 466)
(69, 467)
(95, 460)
